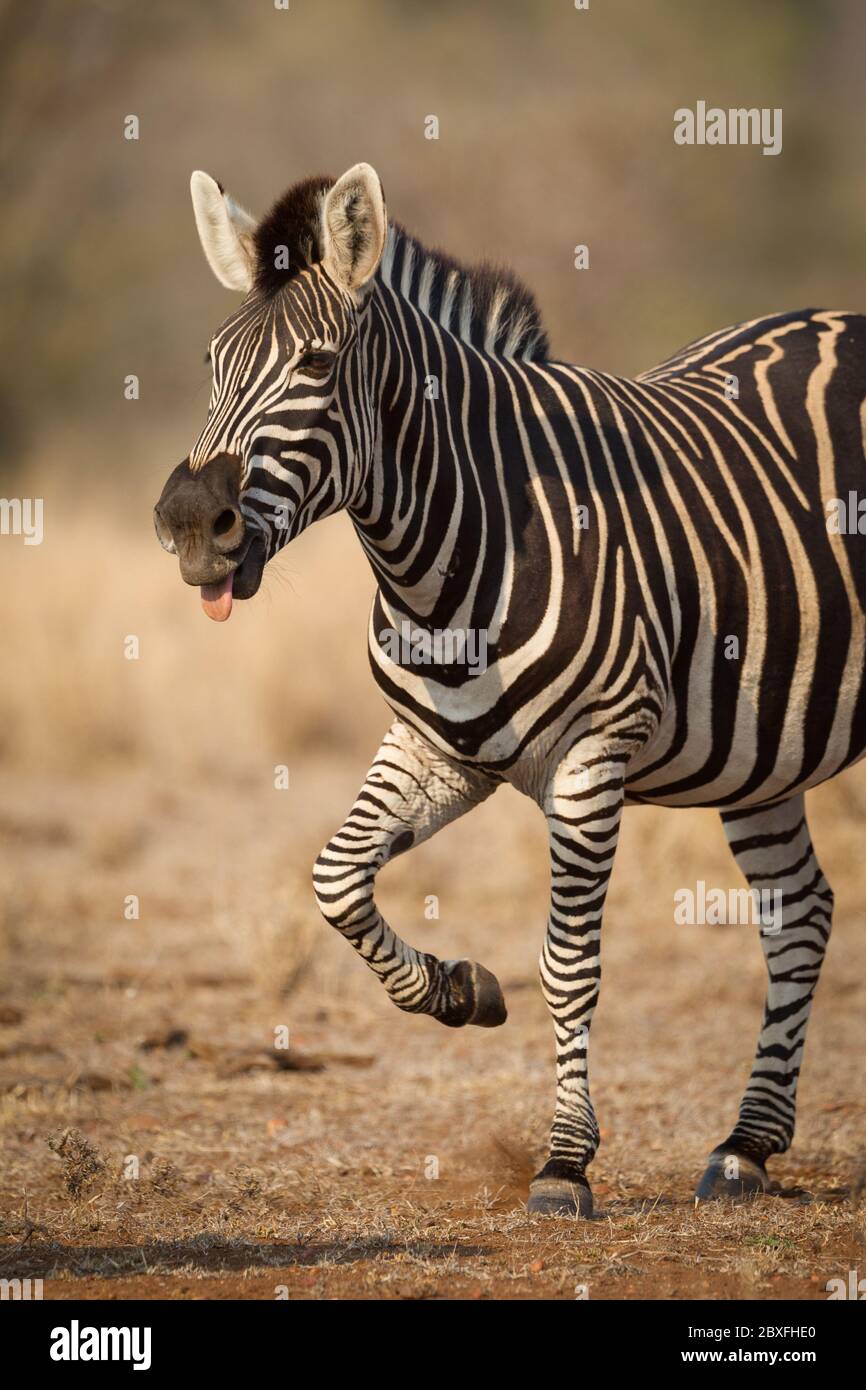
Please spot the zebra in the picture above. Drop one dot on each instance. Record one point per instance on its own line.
(669, 618)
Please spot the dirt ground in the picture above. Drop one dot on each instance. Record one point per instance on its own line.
(155, 1141)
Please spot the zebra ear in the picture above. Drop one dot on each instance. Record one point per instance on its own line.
(353, 227)
(226, 233)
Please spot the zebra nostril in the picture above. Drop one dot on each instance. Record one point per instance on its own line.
(163, 533)
(227, 528)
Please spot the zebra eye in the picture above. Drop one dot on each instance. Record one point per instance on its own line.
(317, 364)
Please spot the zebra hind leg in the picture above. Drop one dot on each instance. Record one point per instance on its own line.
(411, 791)
(773, 848)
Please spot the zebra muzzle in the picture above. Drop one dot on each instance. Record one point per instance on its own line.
(198, 518)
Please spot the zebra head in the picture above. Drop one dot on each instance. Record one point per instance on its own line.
(289, 431)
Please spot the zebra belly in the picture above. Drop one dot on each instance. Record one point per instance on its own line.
(811, 746)
(727, 790)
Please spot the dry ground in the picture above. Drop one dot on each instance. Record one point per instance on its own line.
(153, 1145)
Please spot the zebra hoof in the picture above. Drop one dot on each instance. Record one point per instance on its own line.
(475, 996)
(559, 1196)
(733, 1176)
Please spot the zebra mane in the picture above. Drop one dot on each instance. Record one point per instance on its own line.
(485, 305)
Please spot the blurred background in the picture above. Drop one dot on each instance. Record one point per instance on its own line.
(154, 777)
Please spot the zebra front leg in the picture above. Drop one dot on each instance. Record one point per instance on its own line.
(583, 805)
(411, 791)
(773, 848)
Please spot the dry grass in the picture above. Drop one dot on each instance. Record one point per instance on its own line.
(74, 703)
(198, 1161)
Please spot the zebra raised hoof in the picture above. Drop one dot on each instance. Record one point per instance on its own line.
(606, 592)
(475, 994)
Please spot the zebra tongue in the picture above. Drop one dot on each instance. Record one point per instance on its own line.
(216, 599)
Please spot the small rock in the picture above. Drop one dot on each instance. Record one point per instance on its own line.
(170, 1037)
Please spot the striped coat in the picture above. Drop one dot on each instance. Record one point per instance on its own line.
(648, 572)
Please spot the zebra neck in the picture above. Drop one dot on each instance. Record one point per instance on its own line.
(425, 509)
